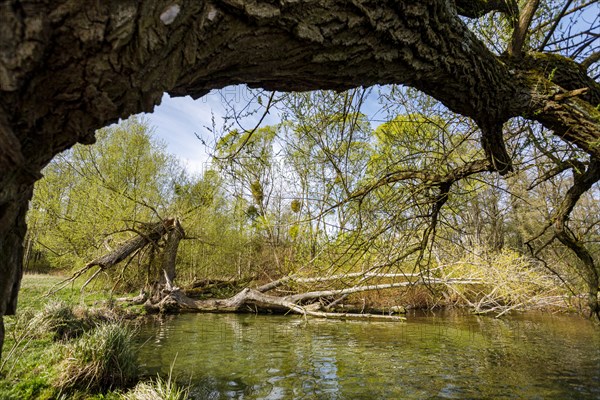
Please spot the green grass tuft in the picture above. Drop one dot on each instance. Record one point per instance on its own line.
(45, 340)
(101, 359)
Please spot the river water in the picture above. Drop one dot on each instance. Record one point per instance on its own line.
(442, 355)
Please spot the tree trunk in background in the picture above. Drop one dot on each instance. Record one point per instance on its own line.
(70, 67)
(169, 253)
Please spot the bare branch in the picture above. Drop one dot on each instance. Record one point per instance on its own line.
(555, 25)
(250, 133)
(562, 166)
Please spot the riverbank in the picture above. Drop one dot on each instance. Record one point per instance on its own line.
(71, 346)
(50, 332)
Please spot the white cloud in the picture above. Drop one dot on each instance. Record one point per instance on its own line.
(177, 121)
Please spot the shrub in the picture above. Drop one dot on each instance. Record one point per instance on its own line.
(101, 359)
(509, 281)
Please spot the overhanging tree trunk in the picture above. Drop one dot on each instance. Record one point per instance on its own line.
(70, 67)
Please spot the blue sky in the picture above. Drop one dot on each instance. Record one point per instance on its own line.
(177, 120)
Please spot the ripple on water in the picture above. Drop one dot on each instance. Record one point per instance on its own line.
(275, 357)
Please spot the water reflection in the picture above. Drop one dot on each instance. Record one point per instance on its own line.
(433, 356)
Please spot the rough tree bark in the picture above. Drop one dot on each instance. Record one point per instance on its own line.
(70, 67)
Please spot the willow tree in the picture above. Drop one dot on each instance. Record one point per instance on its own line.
(70, 67)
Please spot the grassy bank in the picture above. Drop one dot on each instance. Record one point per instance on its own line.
(69, 346)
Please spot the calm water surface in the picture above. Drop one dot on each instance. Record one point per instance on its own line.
(448, 355)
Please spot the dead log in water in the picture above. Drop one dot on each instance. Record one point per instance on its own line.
(164, 296)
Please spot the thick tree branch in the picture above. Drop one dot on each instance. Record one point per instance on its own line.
(590, 60)
(494, 147)
(573, 119)
(582, 183)
(563, 72)
(320, 279)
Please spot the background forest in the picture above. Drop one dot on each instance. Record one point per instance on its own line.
(328, 191)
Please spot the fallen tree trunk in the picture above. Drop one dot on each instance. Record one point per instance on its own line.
(357, 289)
(150, 234)
(319, 279)
(165, 297)
(254, 300)
(153, 233)
(174, 235)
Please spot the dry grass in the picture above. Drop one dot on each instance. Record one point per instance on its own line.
(509, 281)
(58, 318)
(157, 389)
